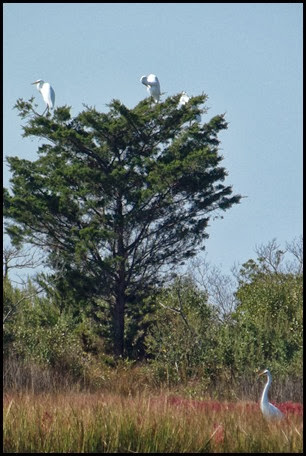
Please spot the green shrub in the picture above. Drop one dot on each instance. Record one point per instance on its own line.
(183, 338)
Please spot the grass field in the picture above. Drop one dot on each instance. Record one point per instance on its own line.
(114, 423)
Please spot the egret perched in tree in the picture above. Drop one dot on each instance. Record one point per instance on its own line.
(184, 100)
(153, 87)
(47, 92)
(269, 411)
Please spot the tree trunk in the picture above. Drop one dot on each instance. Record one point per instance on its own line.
(118, 325)
(119, 311)
(120, 295)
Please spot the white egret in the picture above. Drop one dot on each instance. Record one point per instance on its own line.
(184, 100)
(47, 92)
(269, 410)
(153, 87)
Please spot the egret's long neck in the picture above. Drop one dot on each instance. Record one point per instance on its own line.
(264, 397)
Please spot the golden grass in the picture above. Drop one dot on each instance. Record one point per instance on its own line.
(112, 423)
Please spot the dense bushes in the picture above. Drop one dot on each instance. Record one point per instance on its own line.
(40, 339)
(184, 338)
(269, 321)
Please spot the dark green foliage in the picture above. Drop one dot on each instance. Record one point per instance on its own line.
(114, 198)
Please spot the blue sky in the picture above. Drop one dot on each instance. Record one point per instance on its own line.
(246, 57)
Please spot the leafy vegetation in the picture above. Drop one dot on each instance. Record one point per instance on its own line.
(113, 198)
(185, 342)
(116, 343)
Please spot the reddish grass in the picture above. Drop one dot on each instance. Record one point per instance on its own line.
(286, 407)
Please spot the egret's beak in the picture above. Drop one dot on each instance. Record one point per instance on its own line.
(260, 373)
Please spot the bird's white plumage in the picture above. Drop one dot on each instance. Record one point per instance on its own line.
(184, 100)
(153, 86)
(47, 92)
(269, 410)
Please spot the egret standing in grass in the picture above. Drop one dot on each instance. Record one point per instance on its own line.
(153, 87)
(269, 410)
(47, 92)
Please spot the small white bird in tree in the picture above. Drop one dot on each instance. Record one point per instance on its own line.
(269, 410)
(47, 92)
(153, 86)
(184, 100)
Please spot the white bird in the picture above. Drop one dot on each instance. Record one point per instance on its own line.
(269, 410)
(153, 87)
(47, 92)
(184, 100)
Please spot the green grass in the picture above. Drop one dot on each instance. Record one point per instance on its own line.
(113, 423)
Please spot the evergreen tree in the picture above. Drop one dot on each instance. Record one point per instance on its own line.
(117, 199)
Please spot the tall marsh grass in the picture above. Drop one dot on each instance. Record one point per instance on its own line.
(128, 378)
(114, 423)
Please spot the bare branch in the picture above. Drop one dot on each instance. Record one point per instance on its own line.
(295, 247)
(20, 258)
(218, 286)
(270, 256)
